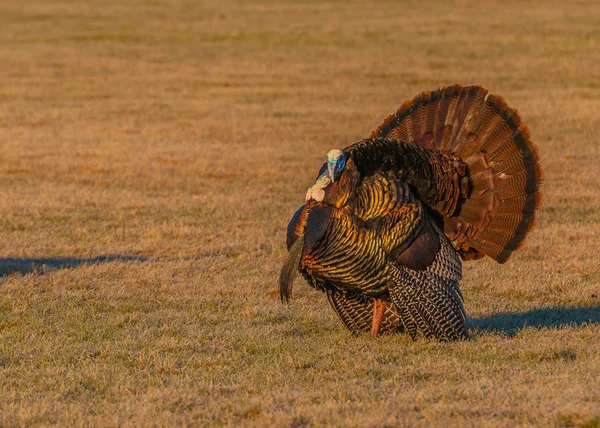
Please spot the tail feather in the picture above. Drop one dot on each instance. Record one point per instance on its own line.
(429, 122)
(504, 172)
(417, 118)
(468, 144)
(443, 99)
(496, 137)
(506, 145)
(502, 220)
(467, 101)
(463, 140)
(521, 203)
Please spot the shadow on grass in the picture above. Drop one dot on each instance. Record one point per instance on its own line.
(509, 324)
(16, 265)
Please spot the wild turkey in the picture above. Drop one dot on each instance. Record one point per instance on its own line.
(452, 175)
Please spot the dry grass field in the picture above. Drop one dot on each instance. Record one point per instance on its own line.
(153, 153)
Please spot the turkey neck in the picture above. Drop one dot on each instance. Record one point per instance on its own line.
(338, 193)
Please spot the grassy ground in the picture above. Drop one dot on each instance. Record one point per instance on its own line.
(153, 152)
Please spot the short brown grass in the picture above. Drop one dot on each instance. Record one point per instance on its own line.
(153, 152)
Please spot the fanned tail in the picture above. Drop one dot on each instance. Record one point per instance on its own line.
(503, 169)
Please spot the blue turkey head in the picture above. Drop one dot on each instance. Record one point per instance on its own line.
(336, 161)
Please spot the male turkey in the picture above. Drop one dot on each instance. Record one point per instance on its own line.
(452, 175)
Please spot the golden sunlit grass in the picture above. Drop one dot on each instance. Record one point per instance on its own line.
(153, 153)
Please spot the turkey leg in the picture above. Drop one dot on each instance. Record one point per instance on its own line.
(378, 310)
